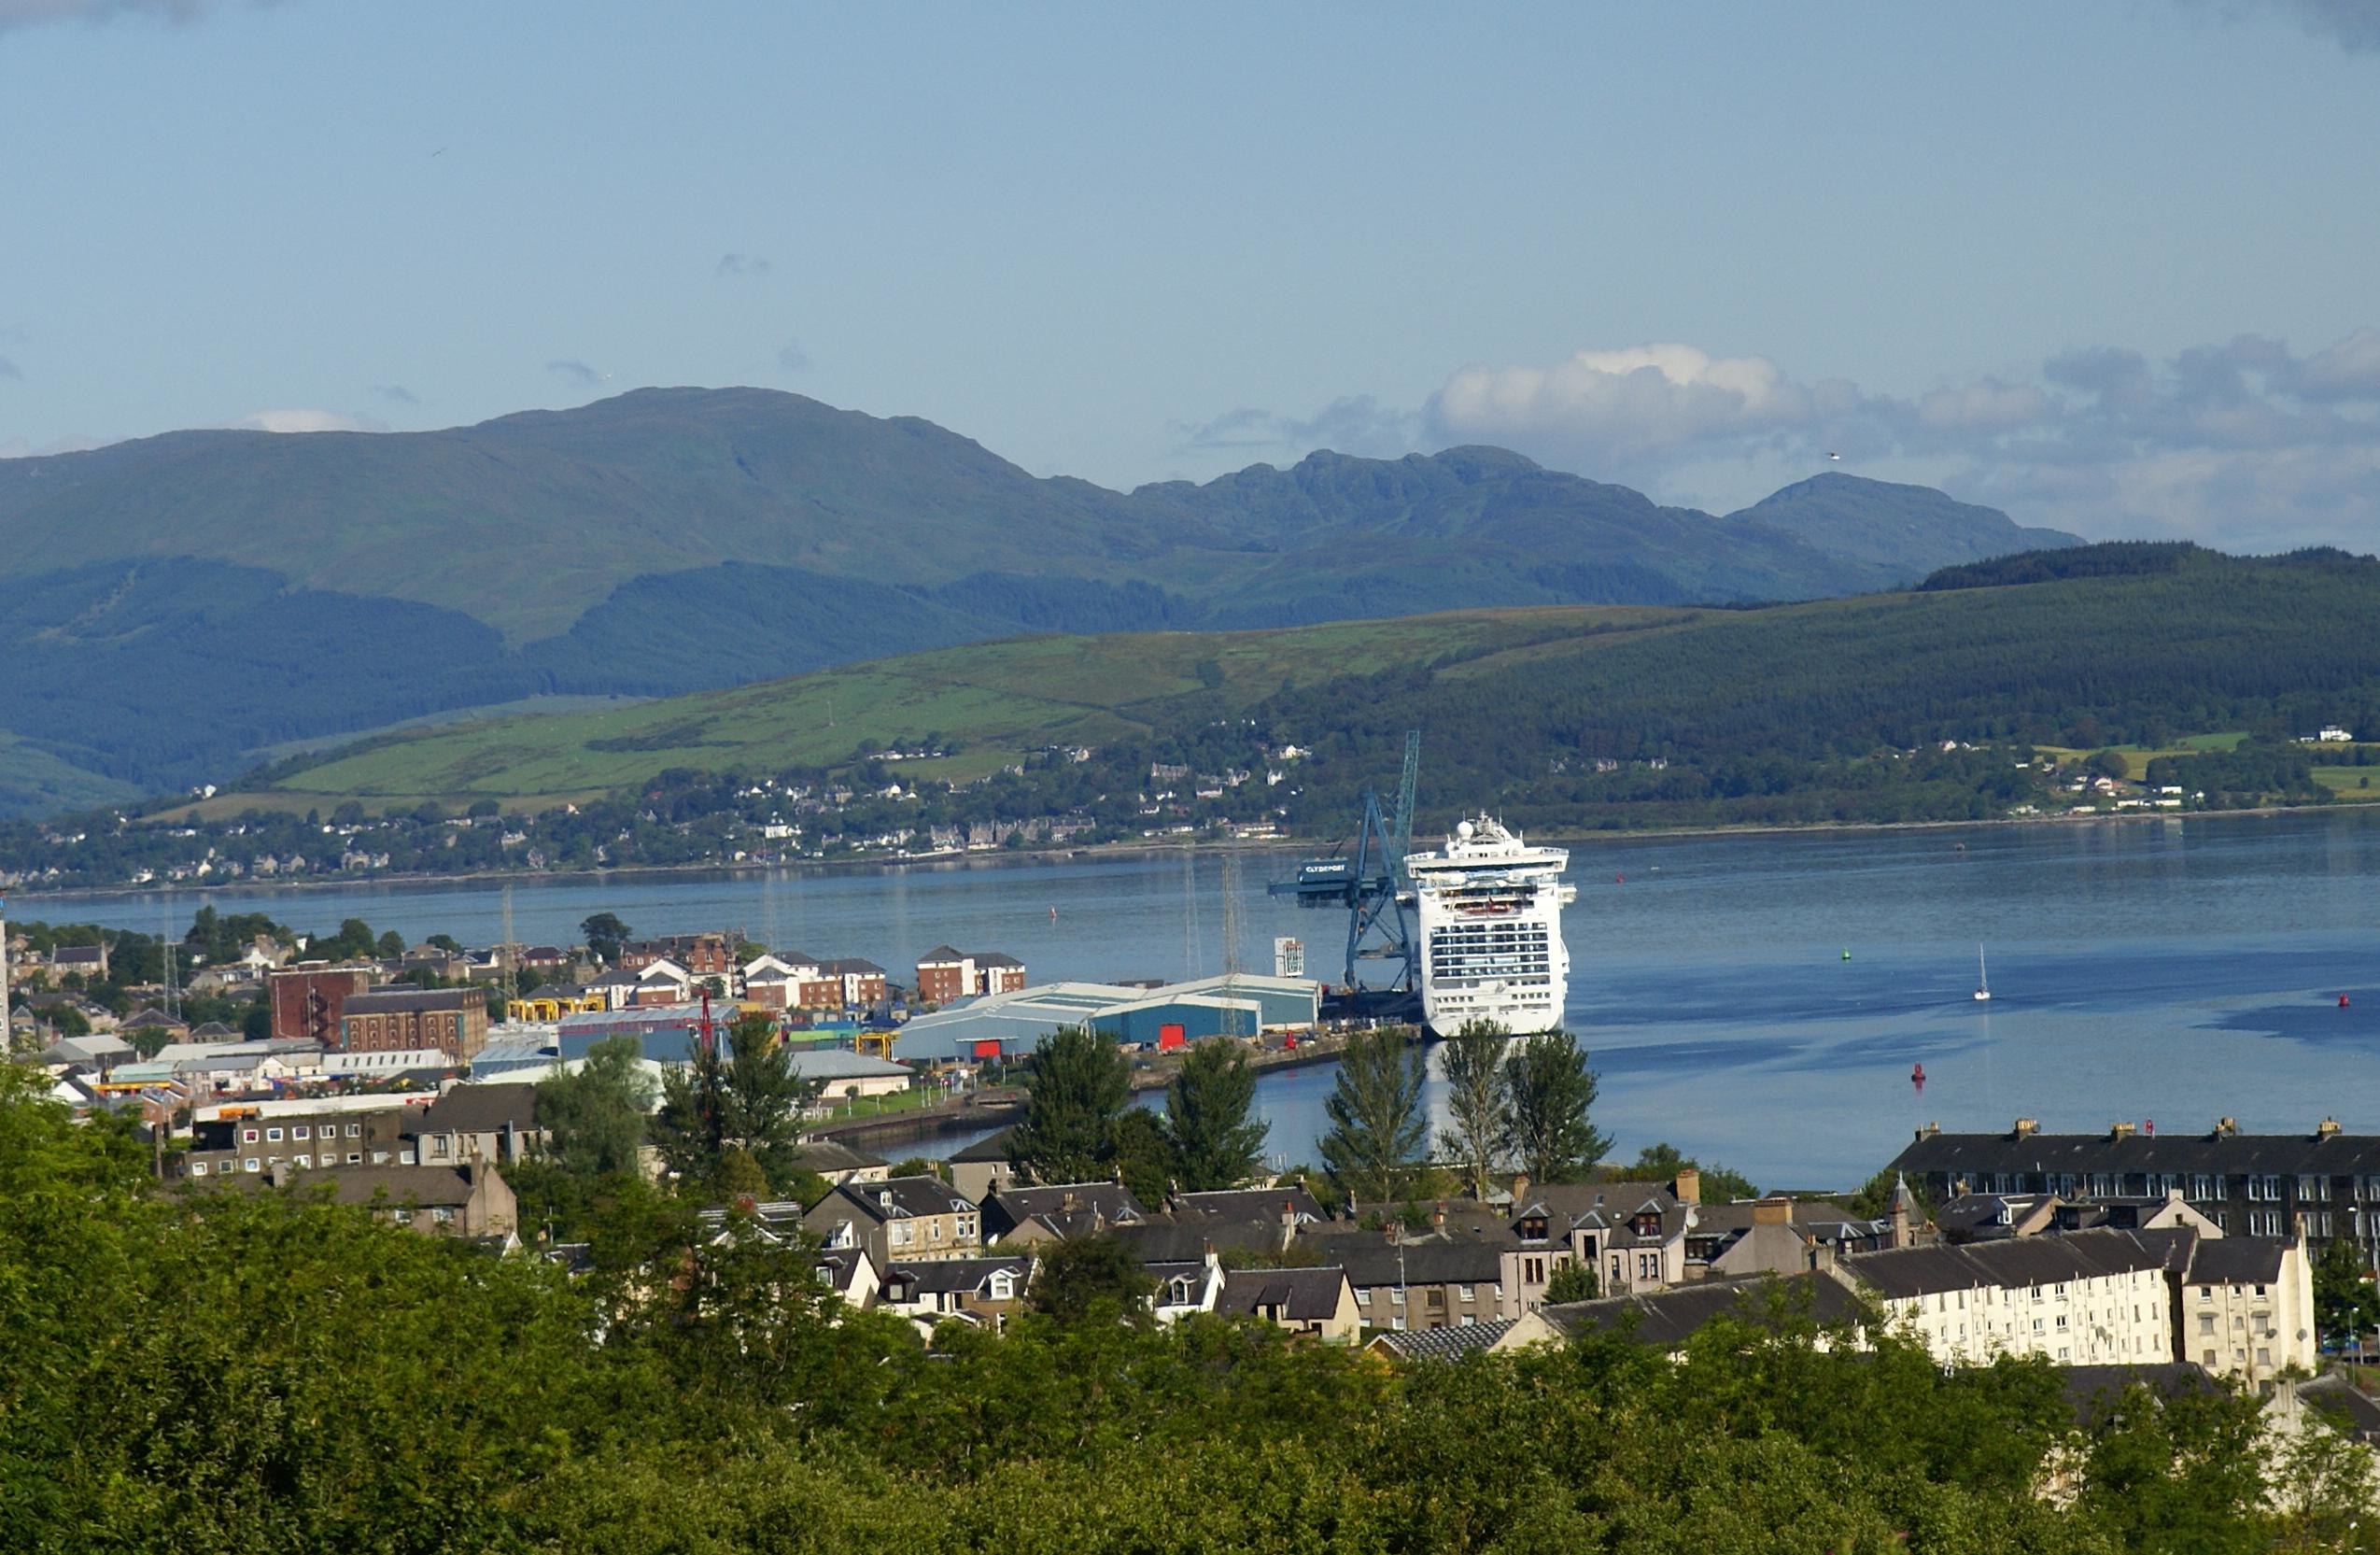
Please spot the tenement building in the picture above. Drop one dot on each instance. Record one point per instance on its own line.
(2322, 1184)
(388, 1020)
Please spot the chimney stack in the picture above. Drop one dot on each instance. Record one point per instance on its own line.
(2027, 1127)
(1929, 1131)
(1520, 1188)
(1772, 1211)
(1688, 1186)
(1438, 1216)
(2327, 1128)
(2226, 1127)
(2120, 1131)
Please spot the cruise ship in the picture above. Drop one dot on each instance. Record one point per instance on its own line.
(1490, 911)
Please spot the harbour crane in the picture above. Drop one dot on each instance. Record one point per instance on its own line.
(1370, 886)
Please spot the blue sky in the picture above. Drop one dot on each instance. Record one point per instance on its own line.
(2109, 267)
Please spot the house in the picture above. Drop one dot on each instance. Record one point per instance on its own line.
(901, 1218)
(452, 1020)
(466, 1201)
(2246, 1308)
(1291, 1204)
(93, 1054)
(979, 1290)
(1666, 1318)
(1184, 1287)
(154, 1024)
(1785, 1236)
(478, 1122)
(254, 1139)
(88, 961)
(849, 983)
(662, 980)
(838, 1162)
(1317, 1303)
(983, 1167)
(850, 1274)
(1018, 1217)
(616, 989)
(2322, 1184)
(706, 954)
(2090, 1298)
(944, 974)
(1426, 1284)
(1633, 1234)
(774, 981)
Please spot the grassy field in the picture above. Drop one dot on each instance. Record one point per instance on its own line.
(2356, 784)
(2137, 757)
(995, 700)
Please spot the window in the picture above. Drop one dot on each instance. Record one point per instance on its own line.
(247, 1136)
(198, 1168)
(305, 1160)
(1465, 1292)
(354, 1157)
(2206, 1292)
(2264, 1356)
(250, 1163)
(355, 1131)
(298, 1131)
(2310, 1187)
(1397, 1296)
(271, 1136)
(1466, 1321)
(2209, 1359)
(442, 1215)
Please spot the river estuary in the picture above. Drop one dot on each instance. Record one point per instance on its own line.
(2169, 971)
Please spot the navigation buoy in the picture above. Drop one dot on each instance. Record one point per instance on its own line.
(1917, 1077)
(1619, 879)
(1847, 954)
(2343, 1001)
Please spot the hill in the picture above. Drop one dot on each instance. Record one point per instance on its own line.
(170, 607)
(1750, 714)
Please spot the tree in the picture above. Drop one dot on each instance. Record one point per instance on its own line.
(1378, 1129)
(1572, 1280)
(604, 934)
(1143, 1158)
(1080, 1087)
(1549, 1089)
(446, 943)
(391, 944)
(1874, 1199)
(747, 1100)
(1663, 1162)
(1472, 1061)
(1087, 1276)
(598, 1116)
(1215, 1140)
(2345, 1301)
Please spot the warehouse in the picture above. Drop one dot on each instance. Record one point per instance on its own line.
(1007, 1025)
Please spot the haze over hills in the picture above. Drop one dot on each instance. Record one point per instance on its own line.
(173, 605)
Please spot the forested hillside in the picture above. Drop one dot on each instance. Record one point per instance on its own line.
(172, 607)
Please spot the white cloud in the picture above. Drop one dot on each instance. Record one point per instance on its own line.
(306, 421)
(2241, 442)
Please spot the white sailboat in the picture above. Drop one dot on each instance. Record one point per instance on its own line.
(1982, 979)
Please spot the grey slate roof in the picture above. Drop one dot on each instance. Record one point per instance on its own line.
(2092, 1390)
(900, 1197)
(992, 1147)
(393, 1001)
(1302, 1296)
(1162, 1239)
(832, 1156)
(1069, 1208)
(1669, 1318)
(1443, 1344)
(948, 1276)
(2218, 1155)
(1902, 1272)
(478, 1110)
(2238, 1261)
(1247, 1204)
(1371, 1261)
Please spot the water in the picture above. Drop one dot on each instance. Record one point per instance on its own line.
(2172, 970)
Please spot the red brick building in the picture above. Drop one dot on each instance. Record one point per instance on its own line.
(700, 954)
(308, 1002)
(944, 974)
(452, 1020)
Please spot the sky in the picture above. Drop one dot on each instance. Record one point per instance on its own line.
(2110, 267)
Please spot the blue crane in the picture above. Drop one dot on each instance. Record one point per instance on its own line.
(1371, 886)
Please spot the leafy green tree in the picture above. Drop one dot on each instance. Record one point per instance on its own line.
(1473, 1063)
(1080, 1087)
(1089, 1277)
(1378, 1129)
(391, 944)
(1549, 1090)
(604, 934)
(1143, 1159)
(1663, 1162)
(446, 943)
(598, 1116)
(747, 1100)
(1873, 1201)
(1216, 1139)
(1572, 1280)
(2345, 1302)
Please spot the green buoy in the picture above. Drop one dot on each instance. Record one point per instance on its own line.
(1847, 954)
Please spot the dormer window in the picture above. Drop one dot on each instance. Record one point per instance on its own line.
(1647, 1225)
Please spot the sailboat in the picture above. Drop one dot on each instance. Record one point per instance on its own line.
(1983, 981)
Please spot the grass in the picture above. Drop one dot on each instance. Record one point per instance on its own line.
(995, 700)
(2349, 783)
(2137, 757)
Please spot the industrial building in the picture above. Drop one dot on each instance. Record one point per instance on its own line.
(1007, 1025)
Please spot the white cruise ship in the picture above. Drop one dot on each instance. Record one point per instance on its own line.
(1492, 930)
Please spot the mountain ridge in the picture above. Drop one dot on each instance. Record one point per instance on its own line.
(175, 604)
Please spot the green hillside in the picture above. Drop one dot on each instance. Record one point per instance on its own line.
(172, 608)
(1790, 713)
(996, 703)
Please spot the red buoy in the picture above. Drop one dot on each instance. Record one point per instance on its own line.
(1917, 1076)
(1619, 879)
(2343, 1001)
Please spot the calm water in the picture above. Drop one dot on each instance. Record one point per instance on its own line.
(2174, 971)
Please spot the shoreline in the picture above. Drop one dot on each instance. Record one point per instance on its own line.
(1099, 852)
